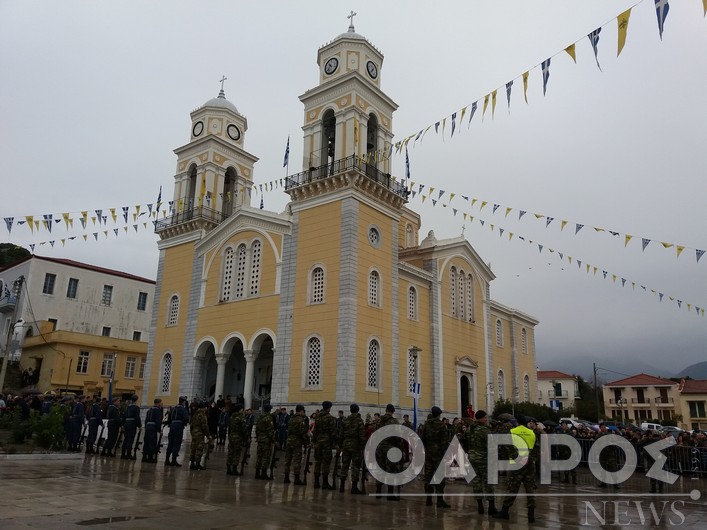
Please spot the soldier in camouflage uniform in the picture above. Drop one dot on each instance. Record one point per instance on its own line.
(353, 440)
(237, 436)
(524, 440)
(265, 438)
(476, 437)
(323, 437)
(435, 437)
(297, 438)
(199, 429)
(383, 448)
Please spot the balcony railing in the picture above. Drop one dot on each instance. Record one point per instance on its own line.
(641, 402)
(665, 401)
(349, 163)
(7, 304)
(190, 214)
(557, 393)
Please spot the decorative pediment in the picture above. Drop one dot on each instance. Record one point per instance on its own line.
(465, 362)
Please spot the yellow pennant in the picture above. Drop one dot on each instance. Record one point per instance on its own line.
(679, 249)
(66, 219)
(704, 4)
(510, 236)
(562, 225)
(112, 214)
(622, 21)
(613, 276)
(464, 109)
(483, 203)
(666, 245)
(508, 210)
(627, 239)
(525, 84)
(30, 222)
(423, 199)
(570, 52)
(486, 104)
(85, 237)
(451, 196)
(493, 104)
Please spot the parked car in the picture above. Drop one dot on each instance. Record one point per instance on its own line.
(646, 426)
(675, 431)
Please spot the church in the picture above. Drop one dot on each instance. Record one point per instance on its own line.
(339, 297)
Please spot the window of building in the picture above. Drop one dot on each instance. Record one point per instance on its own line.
(255, 268)
(141, 301)
(499, 333)
(72, 288)
(106, 331)
(166, 379)
(173, 311)
(412, 372)
(469, 298)
(130, 365)
(49, 281)
(453, 290)
(501, 391)
(523, 341)
(227, 274)
(137, 335)
(107, 364)
(372, 364)
(412, 303)
(54, 322)
(82, 364)
(240, 271)
(374, 289)
(317, 289)
(697, 409)
(314, 363)
(107, 295)
(526, 388)
(374, 237)
(143, 363)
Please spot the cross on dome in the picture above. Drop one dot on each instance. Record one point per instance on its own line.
(351, 26)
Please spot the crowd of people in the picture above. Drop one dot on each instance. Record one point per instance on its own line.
(331, 447)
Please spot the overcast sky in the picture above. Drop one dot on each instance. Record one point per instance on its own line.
(95, 96)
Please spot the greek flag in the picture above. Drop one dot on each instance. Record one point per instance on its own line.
(407, 164)
(594, 39)
(546, 74)
(661, 10)
(287, 153)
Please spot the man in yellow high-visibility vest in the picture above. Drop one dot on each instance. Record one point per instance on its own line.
(524, 441)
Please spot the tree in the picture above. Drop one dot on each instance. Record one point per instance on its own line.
(586, 405)
(11, 254)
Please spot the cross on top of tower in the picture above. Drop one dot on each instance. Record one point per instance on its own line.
(351, 26)
(222, 94)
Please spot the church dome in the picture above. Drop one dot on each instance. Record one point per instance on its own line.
(350, 34)
(221, 102)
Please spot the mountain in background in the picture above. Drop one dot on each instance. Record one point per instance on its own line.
(695, 371)
(613, 369)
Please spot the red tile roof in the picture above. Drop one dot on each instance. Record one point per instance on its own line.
(553, 374)
(642, 380)
(693, 386)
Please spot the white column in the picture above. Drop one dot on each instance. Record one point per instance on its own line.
(221, 360)
(250, 358)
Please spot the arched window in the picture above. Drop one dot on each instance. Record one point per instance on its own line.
(313, 372)
(372, 364)
(255, 268)
(317, 286)
(453, 289)
(523, 341)
(462, 289)
(374, 289)
(526, 388)
(228, 198)
(412, 372)
(412, 303)
(328, 150)
(372, 141)
(188, 199)
(501, 386)
(227, 274)
(173, 311)
(166, 371)
(241, 266)
(499, 333)
(470, 298)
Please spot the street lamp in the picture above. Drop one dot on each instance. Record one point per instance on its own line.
(414, 352)
(621, 402)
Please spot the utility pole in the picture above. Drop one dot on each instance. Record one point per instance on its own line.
(596, 390)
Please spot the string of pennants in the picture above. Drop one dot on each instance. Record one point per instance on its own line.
(548, 220)
(455, 120)
(86, 237)
(563, 256)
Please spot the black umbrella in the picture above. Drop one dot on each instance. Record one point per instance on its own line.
(549, 423)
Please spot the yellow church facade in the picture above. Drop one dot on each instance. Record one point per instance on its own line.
(337, 298)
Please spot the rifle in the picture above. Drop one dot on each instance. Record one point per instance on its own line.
(273, 459)
(307, 462)
(207, 452)
(83, 434)
(246, 454)
(119, 439)
(138, 443)
(100, 436)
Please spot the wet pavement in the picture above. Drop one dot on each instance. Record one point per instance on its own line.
(96, 492)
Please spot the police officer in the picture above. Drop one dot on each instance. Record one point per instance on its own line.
(114, 421)
(524, 441)
(237, 436)
(477, 441)
(435, 438)
(178, 419)
(323, 437)
(153, 424)
(295, 440)
(265, 438)
(130, 427)
(199, 430)
(95, 419)
(353, 440)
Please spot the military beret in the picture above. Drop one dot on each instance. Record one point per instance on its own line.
(326, 405)
(353, 408)
(436, 411)
(389, 408)
(299, 407)
(267, 408)
(480, 414)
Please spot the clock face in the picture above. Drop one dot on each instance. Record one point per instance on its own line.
(198, 128)
(331, 65)
(372, 69)
(233, 132)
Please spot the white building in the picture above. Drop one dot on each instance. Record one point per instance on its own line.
(557, 390)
